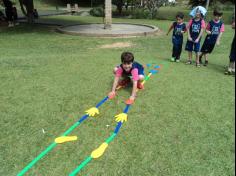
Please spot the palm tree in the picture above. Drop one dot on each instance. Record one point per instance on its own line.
(108, 14)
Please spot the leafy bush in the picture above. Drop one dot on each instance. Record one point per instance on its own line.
(97, 11)
(164, 14)
(140, 14)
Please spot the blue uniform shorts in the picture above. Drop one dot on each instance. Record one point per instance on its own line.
(191, 46)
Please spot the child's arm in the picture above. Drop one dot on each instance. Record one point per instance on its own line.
(218, 38)
(222, 29)
(201, 32)
(184, 29)
(115, 83)
(208, 29)
(134, 90)
(189, 36)
(188, 30)
(171, 27)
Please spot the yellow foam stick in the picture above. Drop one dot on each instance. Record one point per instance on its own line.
(92, 111)
(63, 139)
(121, 117)
(99, 151)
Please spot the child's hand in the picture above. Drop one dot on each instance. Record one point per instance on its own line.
(208, 32)
(190, 39)
(112, 94)
(197, 40)
(130, 100)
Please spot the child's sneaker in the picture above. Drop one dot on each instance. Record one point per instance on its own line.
(140, 85)
(124, 82)
(172, 59)
(177, 60)
(228, 72)
(206, 63)
(189, 62)
(10, 25)
(198, 65)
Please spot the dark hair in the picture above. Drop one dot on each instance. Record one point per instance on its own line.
(217, 13)
(199, 11)
(127, 57)
(180, 15)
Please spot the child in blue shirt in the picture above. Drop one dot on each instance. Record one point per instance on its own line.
(214, 30)
(179, 28)
(195, 30)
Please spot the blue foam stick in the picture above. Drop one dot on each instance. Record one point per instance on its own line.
(149, 65)
(83, 118)
(154, 71)
(103, 101)
(118, 126)
(126, 109)
(157, 66)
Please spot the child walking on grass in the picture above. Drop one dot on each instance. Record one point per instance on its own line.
(231, 68)
(179, 28)
(126, 70)
(195, 30)
(214, 30)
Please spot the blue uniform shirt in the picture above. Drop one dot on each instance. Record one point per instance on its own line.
(215, 29)
(177, 37)
(195, 29)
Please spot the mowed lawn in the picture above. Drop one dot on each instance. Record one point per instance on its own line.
(182, 124)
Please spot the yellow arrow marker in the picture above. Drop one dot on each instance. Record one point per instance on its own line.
(99, 151)
(63, 139)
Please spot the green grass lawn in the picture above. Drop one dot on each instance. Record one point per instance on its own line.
(182, 124)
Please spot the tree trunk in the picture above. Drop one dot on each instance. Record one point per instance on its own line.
(108, 14)
(207, 4)
(27, 7)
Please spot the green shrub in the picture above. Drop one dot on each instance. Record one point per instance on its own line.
(166, 14)
(97, 11)
(140, 14)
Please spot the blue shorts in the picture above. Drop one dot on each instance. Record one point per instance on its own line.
(191, 46)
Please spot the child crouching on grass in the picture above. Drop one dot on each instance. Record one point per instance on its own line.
(128, 68)
(214, 30)
(179, 28)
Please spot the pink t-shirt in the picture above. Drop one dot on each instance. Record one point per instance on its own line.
(203, 25)
(134, 73)
(222, 29)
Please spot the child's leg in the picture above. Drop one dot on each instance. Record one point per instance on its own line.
(190, 55)
(179, 51)
(173, 53)
(200, 56)
(189, 48)
(141, 77)
(140, 85)
(197, 51)
(232, 66)
(197, 58)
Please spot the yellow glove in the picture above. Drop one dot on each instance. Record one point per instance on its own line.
(92, 111)
(121, 117)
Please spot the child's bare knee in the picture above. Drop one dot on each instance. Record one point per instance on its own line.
(141, 77)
